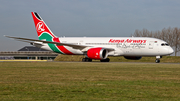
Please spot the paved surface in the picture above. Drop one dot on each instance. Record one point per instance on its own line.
(84, 62)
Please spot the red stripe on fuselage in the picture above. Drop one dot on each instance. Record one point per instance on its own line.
(62, 48)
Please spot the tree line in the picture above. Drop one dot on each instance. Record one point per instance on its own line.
(170, 35)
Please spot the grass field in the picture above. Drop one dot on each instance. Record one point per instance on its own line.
(165, 59)
(76, 81)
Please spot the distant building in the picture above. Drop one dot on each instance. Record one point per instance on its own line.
(31, 48)
(29, 52)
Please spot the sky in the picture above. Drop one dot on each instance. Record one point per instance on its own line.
(90, 18)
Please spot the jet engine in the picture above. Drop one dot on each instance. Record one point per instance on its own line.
(133, 57)
(97, 53)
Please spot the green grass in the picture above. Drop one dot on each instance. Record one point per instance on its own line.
(164, 59)
(74, 81)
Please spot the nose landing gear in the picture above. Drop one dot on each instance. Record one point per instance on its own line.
(158, 59)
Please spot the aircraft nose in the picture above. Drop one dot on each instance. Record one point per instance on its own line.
(171, 50)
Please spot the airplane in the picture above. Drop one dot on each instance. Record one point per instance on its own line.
(98, 48)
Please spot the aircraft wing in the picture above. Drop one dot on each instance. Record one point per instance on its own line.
(75, 46)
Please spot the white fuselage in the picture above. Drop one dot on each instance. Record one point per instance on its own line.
(123, 46)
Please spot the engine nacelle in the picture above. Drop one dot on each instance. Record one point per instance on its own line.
(97, 53)
(133, 57)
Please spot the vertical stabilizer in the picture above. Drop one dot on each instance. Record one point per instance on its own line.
(44, 33)
(42, 29)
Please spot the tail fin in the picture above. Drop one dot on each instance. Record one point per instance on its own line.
(43, 31)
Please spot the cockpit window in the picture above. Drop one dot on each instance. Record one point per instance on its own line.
(164, 44)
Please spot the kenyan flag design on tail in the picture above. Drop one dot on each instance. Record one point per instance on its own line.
(44, 33)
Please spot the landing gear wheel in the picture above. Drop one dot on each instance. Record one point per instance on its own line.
(86, 60)
(83, 60)
(105, 60)
(157, 61)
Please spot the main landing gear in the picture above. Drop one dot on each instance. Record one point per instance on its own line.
(158, 59)
(86, 60)
(90, 60)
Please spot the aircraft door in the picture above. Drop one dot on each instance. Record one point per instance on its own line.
(151, 44)
(127, 48)
(81, 42)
